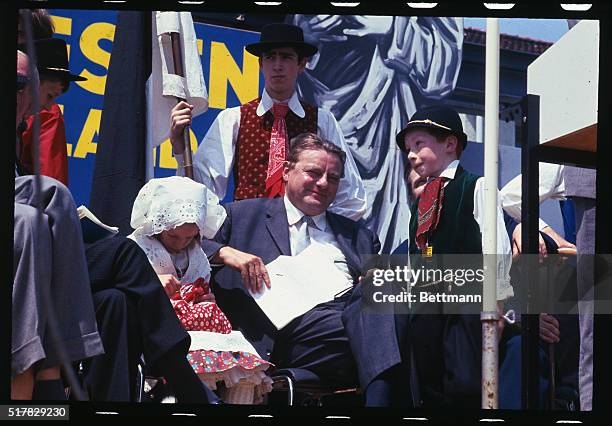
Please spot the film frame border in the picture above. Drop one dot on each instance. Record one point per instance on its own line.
(600, 10)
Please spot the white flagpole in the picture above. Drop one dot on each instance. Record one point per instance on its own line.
(489, 315)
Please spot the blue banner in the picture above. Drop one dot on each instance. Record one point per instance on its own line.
(231, 75)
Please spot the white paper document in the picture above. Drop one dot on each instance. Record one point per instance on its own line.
(233, 342)
(298, 284)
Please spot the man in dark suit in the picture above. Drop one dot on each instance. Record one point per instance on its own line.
(336, 343)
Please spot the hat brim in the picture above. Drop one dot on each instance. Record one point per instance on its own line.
(462, 137)
(65, 75)
(257, 49)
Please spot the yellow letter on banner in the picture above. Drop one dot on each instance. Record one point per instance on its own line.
(90, 38)
(166, 160)
(62, 25)
(85, 145)
(68, 145)
(223, 69)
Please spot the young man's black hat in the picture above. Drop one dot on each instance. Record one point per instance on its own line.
(434, 117)
(52, 60)
(278, 35)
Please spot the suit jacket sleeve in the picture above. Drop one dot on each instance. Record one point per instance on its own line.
(375, 261)
(222, 238)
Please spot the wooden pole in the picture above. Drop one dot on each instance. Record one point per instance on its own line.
(179, 70)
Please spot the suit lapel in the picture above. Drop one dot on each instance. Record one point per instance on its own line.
(277, 224)
(346, 240)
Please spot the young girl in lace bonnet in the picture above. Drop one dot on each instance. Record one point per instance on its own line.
(170, 215)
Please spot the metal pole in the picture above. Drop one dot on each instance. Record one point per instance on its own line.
(529, 291)
(489, 315)
(178, 69)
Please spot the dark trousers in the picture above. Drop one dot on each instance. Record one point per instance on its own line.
(317, 341)
(565, 360)
(112, 376)
(447, 357)
(134, 317)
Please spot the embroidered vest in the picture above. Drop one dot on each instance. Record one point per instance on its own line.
(457, 231)
(253, 146)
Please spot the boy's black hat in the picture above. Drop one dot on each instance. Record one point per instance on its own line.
(281, 35)
(52, 59)
(435, 117)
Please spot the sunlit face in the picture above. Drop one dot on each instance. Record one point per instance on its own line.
(427, 155)
(50, 89)
(178, 239)
(416, 184)
(312, 182)
(281, 68)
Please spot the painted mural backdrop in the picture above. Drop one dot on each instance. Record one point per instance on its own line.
(373, 72)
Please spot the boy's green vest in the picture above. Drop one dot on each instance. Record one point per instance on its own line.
(457, 231)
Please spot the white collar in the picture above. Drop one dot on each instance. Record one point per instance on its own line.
(294, 215)
(450, 170)
(267, 102)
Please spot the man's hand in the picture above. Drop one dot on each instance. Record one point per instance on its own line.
(170, 283)
(180, 117)
(368, 276)
(252, 268)
(517, 243)
(563, 246)
(549, 328)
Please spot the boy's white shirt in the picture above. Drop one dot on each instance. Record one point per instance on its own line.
(504, 250)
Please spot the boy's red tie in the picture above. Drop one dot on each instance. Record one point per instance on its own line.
(430, 206)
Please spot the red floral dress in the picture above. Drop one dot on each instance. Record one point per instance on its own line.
(207, 316)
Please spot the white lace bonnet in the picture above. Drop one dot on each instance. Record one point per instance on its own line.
(165, 203)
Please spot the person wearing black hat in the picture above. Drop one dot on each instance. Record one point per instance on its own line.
(55, 78)
(113, 315)
(447, 218)
(49, 270)
(252, 140)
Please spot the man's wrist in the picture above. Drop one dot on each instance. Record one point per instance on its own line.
(178, 145)
(217, 259)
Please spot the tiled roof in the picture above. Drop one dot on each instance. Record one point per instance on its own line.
(508, 42)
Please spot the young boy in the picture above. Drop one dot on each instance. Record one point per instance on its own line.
(447, 218)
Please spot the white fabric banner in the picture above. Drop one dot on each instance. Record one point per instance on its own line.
(164, 86)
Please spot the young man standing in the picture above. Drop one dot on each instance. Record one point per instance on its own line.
(252, 140)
